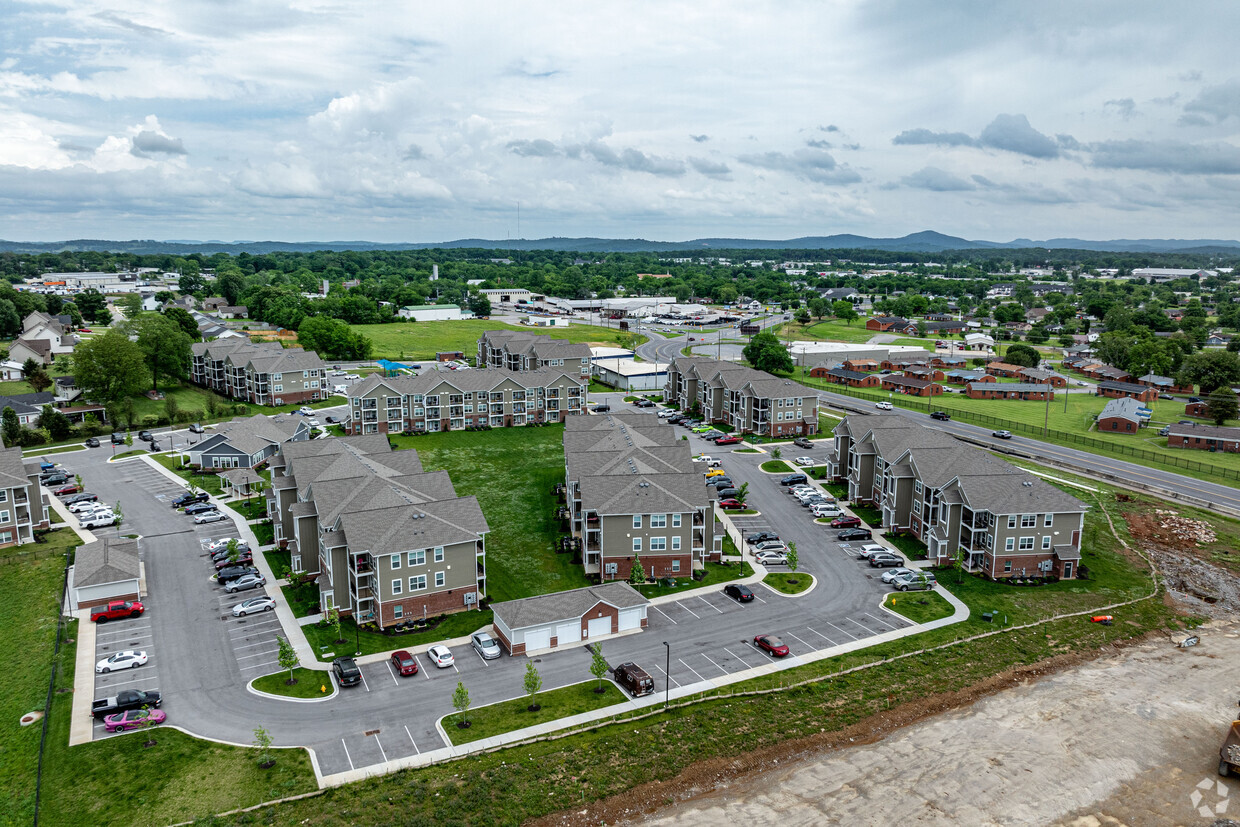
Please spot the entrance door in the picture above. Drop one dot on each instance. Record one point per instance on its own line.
(1067, 570)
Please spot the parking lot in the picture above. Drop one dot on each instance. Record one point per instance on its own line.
(117, 636)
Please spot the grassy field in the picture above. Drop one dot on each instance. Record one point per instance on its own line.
(512, 472)
(496, 719)
(309, 683)
(919, 607)
(422, 340)
(323, 640)
(716, 575)
(836, 331)
(787, 582)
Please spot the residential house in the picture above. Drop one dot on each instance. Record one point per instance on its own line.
(1203, 437)
(924, 372)
(948, 362)
(1043, 377)
(23, 505)
(247, 442)
(38, 349)
(900, 361)
(212, 303)
(262, 373)
(389, 542)
(516, 350)
(861, 365)
(886, 323)
(964, 377)
(1164, 384)
(453, 401)
(635, 494)
(840, 375)
(1129, 389)
(1009, 390)
(231, 311)
(833, 294)
(748, 400)
(1123, 415)
(911, 386)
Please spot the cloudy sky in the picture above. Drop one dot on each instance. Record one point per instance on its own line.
(431, 121)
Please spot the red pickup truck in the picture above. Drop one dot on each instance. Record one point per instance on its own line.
(116, 609)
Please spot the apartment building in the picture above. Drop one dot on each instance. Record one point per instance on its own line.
(247, 442)
(516, 350)
(956, 498)
(748, 400)
(634, 493)
(438, 401)
(261, 373)
(389, 542)
(23, 505)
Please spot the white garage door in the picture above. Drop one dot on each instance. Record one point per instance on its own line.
(600, 626)
(630, 619)
(537, 639)
(567, 633)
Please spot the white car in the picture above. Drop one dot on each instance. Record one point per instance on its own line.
(772, 558)
(804, 494)
(222, 543)
(821, 510)
(99, 520)
(805, 461)
(128, 659)
(83, 507)
(254, 604)
(884, 406)
(314, 423)
(440, 655)
(209, 517)
(890, 575)
(707, 458)
(306, 411)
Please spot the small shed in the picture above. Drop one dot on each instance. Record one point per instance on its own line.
(105, 570)
(571, 618)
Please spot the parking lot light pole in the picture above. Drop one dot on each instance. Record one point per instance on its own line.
(667, 675)
(357, 638)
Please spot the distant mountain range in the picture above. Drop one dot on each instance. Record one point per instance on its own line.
(923, 242)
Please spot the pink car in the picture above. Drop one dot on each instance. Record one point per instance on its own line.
(134, 719)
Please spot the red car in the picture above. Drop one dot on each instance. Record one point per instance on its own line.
(772, 644)
(727, 440)
(245, 559)
(116, 609)
(846, 522)
(85, 330)
(404, 663)
(65, 490)
(731, 503)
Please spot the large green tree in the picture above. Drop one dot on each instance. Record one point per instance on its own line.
(1022, 355)
(10, 427)
(1222, 405)
(844, 311)
(90, 302)
(184, 321)
(1211, 369)
(765, 352)
(10, 322)
(109, 366)
(332, 339)
(164, 345)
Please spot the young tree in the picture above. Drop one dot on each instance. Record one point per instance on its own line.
(10, 427)
(776, 453)
(288, 658)
(765, 352)
(791, 554)
(637, 575)
(171, 409)
(262, 743)
(234, 550)
(120, 515)
(959, 558)
(802, 316)
(741, 491)
(532, 684)
(598, 667)
(460, 702)
(333, 620)
(1222, 405)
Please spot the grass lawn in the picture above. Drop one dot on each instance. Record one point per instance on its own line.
(265, 533)
(134, 453)
(203, 482)
(251, 509)
(422, 340)
(745, 451)
(512, 472)
(496, 719)
(788, 582)
(913, 548)
(716, 574)
(309, 684)
(872, 517)
(323, 640)
(302, 599)
(777, 466)
(836, 489)
(598, 387)
(278, 560)
(64, 449)
(919, 607)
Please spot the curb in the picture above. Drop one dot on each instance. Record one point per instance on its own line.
(249, 687)
(813, 584)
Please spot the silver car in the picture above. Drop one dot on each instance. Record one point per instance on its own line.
(245, 583)
(254, 604)
(485, 645)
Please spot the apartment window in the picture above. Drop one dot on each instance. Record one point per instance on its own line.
(1007, 566)
(637, 521)
(417, 583)
(1026, 544)
(439, 579)
(917, 507)
(1028, 520)
(676, 543)
(396, 586)
(6, 536)
(637, 544)
(675, 521)
(1046, 542)
(1010, 545)
(395, 562)
(917, 487)
(658, 544)
(1048, 519)
(1011, 521)
(398, 611)
(438, 554)
(675, 565)
(658, 521)
(416, 558)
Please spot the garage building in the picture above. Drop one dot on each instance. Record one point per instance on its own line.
(105, 570)
(571, 618)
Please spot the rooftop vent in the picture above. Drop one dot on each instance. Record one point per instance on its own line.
(1027, 483)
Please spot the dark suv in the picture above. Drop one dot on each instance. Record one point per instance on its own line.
(943, 416)
(190, 499)
(346, 671)
(118, 439)
(794, 479)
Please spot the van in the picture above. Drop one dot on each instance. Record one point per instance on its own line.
(634, 680)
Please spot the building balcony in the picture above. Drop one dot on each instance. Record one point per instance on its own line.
(361, 564)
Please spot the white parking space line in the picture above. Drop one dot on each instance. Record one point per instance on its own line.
(690, 611)
(666, 675)
(481, 658)
(256, 655)
(708, 603)
(690, 668)
(392, 672)
(266, 643)
(381, 752)
(821, 635)
(426, 673)
(851, 636)
(884, 623)
(717, 666)
(346, 754)
(260, 665)
(660, 611)
(415, 743)
(122, 640)
(798, 640)
(367, 689)
(736, 656)
(867, 631)
(110, 684)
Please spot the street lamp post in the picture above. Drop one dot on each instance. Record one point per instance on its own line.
(357, 637)
(667, 675)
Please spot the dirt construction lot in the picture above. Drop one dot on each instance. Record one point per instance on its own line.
(1125, 740)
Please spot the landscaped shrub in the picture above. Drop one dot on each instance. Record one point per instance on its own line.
(150, 421)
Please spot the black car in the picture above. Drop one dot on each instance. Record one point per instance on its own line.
(855, 534)
(190, 499)
(601, 408)
(794, 479)
(942, 416)
(761, 537)
(92, 442)
(1194, 399)
(346, 672)
(54, 479)
(82, 498)
(196, 429)
(230, 573)
(222, 554)
(199, 508)
(739, 592)
(644, 403)
(118, 439)
(719, 482)
(729, 493)
(331, 420)
(145, 436)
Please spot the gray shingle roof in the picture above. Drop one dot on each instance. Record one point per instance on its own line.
(106, 561)
(1202, 431)
(407, 527)
(1123, 408)
(548, 608)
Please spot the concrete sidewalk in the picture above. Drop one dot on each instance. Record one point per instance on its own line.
(81, 724)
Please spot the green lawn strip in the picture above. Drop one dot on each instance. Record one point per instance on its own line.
(203, 482)
(309, 683)
(412, 341)
(872, 517)
(64, 449)
(278, 560)
(598, 387)
(302, 599)
(919, 607)
(788, 582)
(522, 783)
(323, 639)
(745, 451)
(265, 533)
(512, 472)
(134, 453)
(913, 548)
(729, 547)
(716, 574)
(121, 782)
(776, 466)
(836, 489)
(506, 716)
(252, 509)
